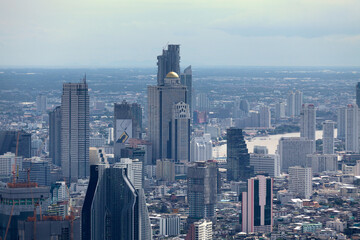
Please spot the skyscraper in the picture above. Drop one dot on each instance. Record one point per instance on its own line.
(114, 206)
(186, 80)
(41, 103)
(127, 121)
(352, 128)
(9, 140)
(341, 119)
(202, 190)
(293, 151)
(266, 163)
(169, 61)
(358, 94)
(290, 104)
(201, 148)
(180, 133)
(161, 100)
(308, 122)
(279, 111)
(257, 205)
(238, 158)
(265, 117)
(298, 102)
(55, 136)
(300, 181)
(75, 131)
(328, 137)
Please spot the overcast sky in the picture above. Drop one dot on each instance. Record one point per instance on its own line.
(122, 33)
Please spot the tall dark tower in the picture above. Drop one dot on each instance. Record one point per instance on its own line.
(238, 158)
(358, 94)
(55, 136)
(169, 61)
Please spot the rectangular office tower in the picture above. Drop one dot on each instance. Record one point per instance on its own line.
(127, 121)
(12, 140)
(238, 158)
(180, 133)
(328, 137)
(256, 205)
(114, 205)
(55, 136)
(75, 131)
(341, 119)
(169, 61)
(186, 80)
(352, 128)
(308, 122)
(161, 101)
(202, 190)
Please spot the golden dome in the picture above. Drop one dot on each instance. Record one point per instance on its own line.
(172, 75)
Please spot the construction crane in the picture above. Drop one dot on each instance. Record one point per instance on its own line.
(14, 181)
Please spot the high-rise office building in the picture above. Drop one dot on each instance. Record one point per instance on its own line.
(12, 140)
(298, 102)
(257, 205)
(358, 94)
(202, 102)
(293, 151)
(169, 61)
(75, 131)
(328, 137)
(165, 170)
(202, 190)
(170, 225)
(323, 162)
(238, 158)
(244, 106)
(279, 111)
(39, 171)
(341, 122)
(308, 122)
(180, 133)
(300, 181)
(352, 129)
(186, 80)
(7, 162)
(266, 164)
(55, 136)
(161, 100)
(41, 103)
(264, 117)
(290, 104)
(114, 206)
(127, 121)
(201, 148)
(200, 230)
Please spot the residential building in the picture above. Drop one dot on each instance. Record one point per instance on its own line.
(55, 135)
(300, 181)
(328, 137)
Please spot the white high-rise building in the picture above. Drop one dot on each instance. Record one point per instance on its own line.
(300, 181)
(308, 122)
(352, 128)
(290, 104)
(293, 151)
(298, 102)
(203, 230)
(180, 132)
(328, 137)
(279, 110)
(341, 122)
(201, 148)
(266, 163)
(75, 131)
(7, 162)
(265, 117)
(170, 225)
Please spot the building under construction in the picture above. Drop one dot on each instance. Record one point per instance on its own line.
(19, 201)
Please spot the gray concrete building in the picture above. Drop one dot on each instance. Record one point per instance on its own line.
(308, 122)
(180, 133)
(55, 135)
(169, 61)
(161, 100)
(75, 131)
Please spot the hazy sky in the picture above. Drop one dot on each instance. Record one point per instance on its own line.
(119, 33)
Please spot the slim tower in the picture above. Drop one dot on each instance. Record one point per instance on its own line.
(328, 137)
(169, 61)
(308, 122)
(55, 136)
(75, 131)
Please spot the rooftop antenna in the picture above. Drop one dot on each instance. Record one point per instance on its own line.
(84, 78)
